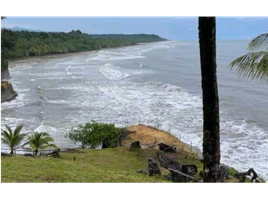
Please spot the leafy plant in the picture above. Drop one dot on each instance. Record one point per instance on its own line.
(254, 65)
(12, 138)
(93, 134)
(40, 141)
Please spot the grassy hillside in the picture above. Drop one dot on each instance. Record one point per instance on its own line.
(106, 165)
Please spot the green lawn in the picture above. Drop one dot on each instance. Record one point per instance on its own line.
(106, 165)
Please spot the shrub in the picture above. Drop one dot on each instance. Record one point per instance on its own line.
(93, 134)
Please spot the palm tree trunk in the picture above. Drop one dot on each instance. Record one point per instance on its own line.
(211, 127)
(35, 152)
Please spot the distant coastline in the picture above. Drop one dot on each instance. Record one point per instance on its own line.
(14, 62)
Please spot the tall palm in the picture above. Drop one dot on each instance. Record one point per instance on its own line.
(254, 64)
(40, 141)
(12, 138)
(211, 119)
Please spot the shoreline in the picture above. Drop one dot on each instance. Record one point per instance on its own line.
(14, 62)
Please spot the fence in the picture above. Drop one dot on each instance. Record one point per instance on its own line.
(153, 123)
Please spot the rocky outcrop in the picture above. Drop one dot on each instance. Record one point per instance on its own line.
(7, 92)
(151, 138)
(5, 74)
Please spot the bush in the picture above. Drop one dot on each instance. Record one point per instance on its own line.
(94, 134)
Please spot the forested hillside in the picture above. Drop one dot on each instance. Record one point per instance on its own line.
(21, 44)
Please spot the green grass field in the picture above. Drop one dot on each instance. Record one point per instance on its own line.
(106, 165)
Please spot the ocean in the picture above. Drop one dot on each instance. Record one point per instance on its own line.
(158, 84)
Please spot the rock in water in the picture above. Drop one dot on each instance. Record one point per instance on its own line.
(7, 92)
(153, 167)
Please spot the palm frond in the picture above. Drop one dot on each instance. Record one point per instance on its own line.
(9, 130)
(53, 145)
(18, 129)
(259, 43)
(253, 65)
(12, 138)
(40, 140)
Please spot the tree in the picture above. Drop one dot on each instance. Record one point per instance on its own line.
(12, 138)
(94, 134)
(40, 141)
(254, 64)
(211, 125)
(7, 45)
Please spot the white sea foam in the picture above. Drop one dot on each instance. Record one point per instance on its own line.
(107, 92)
(112, 73)
(67, 70)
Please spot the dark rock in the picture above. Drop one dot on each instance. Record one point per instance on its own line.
(7, 92)
(5, 74)
(178, 172)
(164, 147)
(189, 169)
(178, 176)
(153, 167)
(251, 172)
(54, 154)
(167, 162)
(135, 145)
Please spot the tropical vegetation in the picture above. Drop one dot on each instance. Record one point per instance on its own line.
(22, 44)
(94, 134)
(7, 45)
(12, 138)
(254, 65)
(40, 141)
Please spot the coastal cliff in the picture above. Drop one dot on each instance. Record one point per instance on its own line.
(5, 74)
(7, 92)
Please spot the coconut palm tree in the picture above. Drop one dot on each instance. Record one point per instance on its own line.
(254, 64)
(211, 119)
(12, 138)
(40, 141)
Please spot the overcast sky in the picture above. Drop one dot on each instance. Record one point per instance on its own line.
(177, 28)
